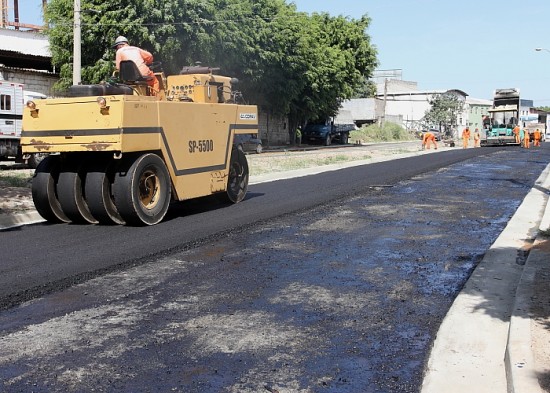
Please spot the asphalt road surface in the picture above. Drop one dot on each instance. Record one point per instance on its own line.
(331, 283)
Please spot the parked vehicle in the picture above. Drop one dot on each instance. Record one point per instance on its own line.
(249, 143)
(327, 132)
(12, 97)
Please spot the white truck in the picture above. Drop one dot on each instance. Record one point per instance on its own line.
(12, 98)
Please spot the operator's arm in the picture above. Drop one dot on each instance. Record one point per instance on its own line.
(118, 59)
(146, 56)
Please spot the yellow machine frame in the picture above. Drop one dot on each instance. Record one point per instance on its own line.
(190, 124)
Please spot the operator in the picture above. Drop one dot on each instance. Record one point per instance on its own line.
(140, 57)
(428, 138)
(477, 138)
(465, 137)
(536, 137)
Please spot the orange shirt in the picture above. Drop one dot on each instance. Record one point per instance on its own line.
(466, 134)
(137, 55)
(428, 136)
(536, 134)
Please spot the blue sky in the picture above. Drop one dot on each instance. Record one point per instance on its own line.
(472, 45)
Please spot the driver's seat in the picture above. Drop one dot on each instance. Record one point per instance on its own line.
(129, 73)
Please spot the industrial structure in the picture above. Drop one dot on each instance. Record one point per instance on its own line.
(11, 7)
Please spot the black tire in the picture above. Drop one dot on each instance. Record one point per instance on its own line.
(99, 192)
(344, 138)
(141, 189)
(70, 191)
(44, 193)
(35, 159)
(237, 180)
(328, 140)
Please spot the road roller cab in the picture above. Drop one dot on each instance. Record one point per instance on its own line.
(120, 155)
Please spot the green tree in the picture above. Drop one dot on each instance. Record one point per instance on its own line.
(366, 90)
(170, 29)
(444, 110)
(291, 63)
(342, 57)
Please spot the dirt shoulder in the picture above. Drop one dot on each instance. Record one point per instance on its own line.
(15, 189)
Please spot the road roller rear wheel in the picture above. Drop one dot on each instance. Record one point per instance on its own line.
(142, 191)
(44, 193)
(99, 194)
(70, 191)
(237, 182)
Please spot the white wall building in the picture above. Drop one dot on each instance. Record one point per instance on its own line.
(401, 102)
(25, 58)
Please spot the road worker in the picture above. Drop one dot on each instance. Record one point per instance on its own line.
(427, 139)
(465, 137)
(526, 138)
(515, 131)
(477, 138)
(521, 137)
(140, 57)
(536, 137)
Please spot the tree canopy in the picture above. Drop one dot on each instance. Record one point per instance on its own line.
(290, 63)
(444, 110)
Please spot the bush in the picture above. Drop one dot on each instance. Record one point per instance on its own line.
(387, 133)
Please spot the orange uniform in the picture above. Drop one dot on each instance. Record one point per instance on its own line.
(465, 137)
(427, 139)
(516, 133)
(526, 139)
(477, 138)
(536, 137)
(141, 58)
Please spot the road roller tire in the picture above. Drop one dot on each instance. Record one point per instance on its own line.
(99, 194)
(237, 180)
(142, 190)
(70, 191)
(44, 194)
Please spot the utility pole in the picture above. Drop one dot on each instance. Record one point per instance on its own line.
(77, 36)
(383, 119)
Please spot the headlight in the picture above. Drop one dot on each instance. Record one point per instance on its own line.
(102, 102)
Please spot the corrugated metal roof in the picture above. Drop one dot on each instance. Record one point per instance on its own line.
(24, 42)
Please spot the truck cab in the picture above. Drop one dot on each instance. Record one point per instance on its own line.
(326, 132)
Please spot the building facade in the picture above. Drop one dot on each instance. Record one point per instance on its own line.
(475, 110)
(25, 58)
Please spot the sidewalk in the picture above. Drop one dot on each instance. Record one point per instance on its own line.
(486, 343)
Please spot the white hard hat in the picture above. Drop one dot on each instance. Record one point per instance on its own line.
(120, 40)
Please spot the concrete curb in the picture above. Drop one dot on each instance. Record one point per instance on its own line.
(15, 220)
(273, 176)
(521, 369)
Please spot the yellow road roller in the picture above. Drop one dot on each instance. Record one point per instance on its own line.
(117, 153)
